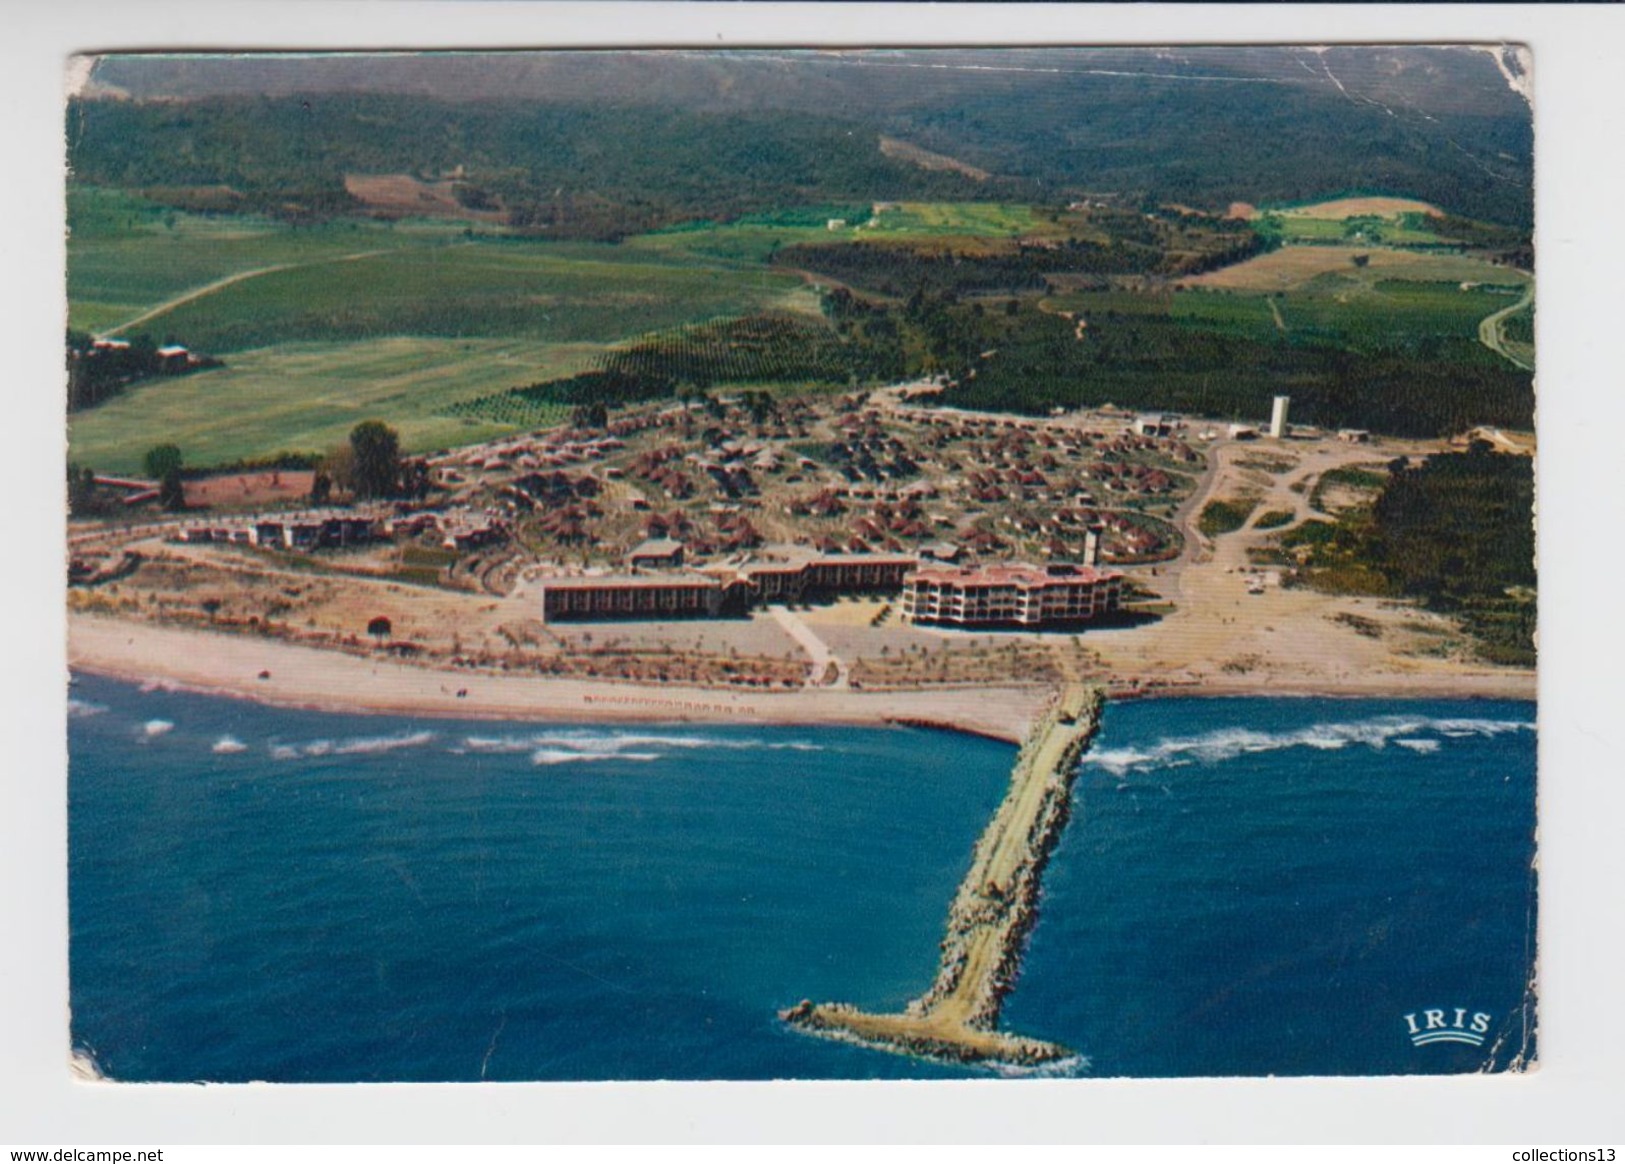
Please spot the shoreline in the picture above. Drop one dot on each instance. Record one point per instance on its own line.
(308, 678)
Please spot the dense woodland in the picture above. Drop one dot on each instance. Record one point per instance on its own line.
(1008, 355)
(1181, 365)
(575, 171)
(1438, 123)
(898, 268)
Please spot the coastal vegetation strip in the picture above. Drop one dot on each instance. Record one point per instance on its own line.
(1455, 531)
(991, 914)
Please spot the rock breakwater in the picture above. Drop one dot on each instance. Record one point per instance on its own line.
(991, 914)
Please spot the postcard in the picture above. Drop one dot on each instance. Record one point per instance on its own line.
(810, 564)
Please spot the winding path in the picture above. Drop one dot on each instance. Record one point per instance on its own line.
(1492, 337)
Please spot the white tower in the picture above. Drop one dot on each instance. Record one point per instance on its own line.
(1091, 543)
(1278, 417)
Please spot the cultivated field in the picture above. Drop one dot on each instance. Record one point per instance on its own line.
(127, 257)
(1341, 208)
(1355, 309)
(307, 397)
(402, 195)
(539, 291)
(754, 239)
(1293, 268)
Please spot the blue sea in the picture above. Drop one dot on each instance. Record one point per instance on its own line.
(1246, 887)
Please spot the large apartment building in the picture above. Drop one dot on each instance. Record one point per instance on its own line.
(1009, 595)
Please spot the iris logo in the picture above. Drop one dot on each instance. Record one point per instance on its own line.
(1440, 1026)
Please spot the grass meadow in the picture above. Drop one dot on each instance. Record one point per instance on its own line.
(1360, 315)
(306, 397)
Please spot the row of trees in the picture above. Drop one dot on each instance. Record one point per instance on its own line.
(1144, 247)
(96, 374)
(369, 466)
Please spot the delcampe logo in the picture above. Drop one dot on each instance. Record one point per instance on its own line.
(1436, 1027)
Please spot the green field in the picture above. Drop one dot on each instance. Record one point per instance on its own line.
(468, 289)
(1399, 230)
(328, 325)
(323, 326)
(1358, 314)
(977, 219)
(127, 256)
(307, 397)
(753, 239)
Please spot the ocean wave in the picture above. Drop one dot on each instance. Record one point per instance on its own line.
(1228, 743)
(357, 746)
(154, 728)
(1070, 1067)
(549, 756)
(228, 745)
(599, 743)
(80, 708)
(367, 746)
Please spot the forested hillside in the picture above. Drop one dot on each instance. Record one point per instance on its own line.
(662, 134)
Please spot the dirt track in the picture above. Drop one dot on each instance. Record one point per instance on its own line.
(221, 284)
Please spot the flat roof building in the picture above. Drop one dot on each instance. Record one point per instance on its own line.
(800, 576)
(659, 553)
(1009, 595)
(648, 596)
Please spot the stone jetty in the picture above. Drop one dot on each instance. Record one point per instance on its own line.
(990, 917)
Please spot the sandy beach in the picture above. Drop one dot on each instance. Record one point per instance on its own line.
(308, 677)
(332, 681)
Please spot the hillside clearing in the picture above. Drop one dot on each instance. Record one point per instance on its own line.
(1292, 268)
(1340, 208)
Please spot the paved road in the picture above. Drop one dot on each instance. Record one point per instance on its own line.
(1491, 336)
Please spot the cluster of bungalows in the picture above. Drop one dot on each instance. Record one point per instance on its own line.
(295, 531)
(1009, 595)
(332, 529)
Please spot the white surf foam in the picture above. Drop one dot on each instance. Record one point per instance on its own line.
(356, 746)
(367, 746)
(1417, 733)
(228, 745)
(154, 728)
(80, 708)
(549, 756)
(600, 743)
